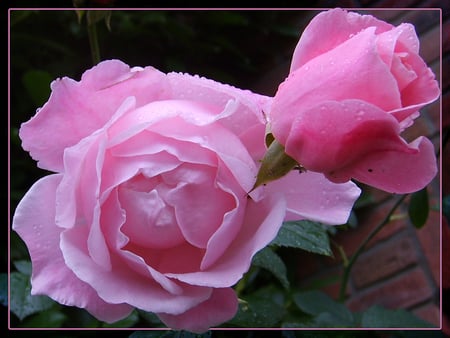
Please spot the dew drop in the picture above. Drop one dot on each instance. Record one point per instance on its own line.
(360, 114)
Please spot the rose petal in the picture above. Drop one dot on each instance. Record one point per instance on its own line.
(334, 135)
(333, 28)
(313, 197)
(261, 224)
(150, 222)
(34, 222)
(399, 172)
(219, 308)
(124, 285)
(421, 91)
(199, 206)
(76, 109)
(249, 106)
(353, 70)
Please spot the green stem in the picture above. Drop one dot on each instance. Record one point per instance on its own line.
(93, 41)
(354, 257)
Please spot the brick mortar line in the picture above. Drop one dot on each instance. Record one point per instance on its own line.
(391, 279)
(383, 244)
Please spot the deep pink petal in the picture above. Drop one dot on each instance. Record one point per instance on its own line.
(76, 109)
(353, 70)
(329, 29)
(313, 197)
(219, 308)
(398, 172)
(261, 224)
(34, 221)
(421, 91)
(335, 134)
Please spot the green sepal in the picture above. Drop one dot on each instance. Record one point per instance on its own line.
(275, 163)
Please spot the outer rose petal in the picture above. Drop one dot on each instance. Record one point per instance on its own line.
(220, 307)
(398, 172)
(250, 106)
(333, 135)
(34, 221)
(331, 28)
(311, 196)
(76, 109)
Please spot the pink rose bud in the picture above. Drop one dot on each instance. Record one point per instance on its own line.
(355, 84)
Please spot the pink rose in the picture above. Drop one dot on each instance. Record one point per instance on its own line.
(148, 207)
(355, 84)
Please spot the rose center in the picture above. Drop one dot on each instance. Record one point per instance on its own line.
(150, 222)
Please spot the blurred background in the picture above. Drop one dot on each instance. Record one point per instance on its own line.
(250, 49)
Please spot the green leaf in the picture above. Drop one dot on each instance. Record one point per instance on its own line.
(151, 319)
(258, 310)
(305, 235)
(378, 317)
(419, 208)
(129, 321)
(269, 260)
(37, 84)
(23, 267)
(4, 289)
(23, 303)
(49, 318)
(327, 312)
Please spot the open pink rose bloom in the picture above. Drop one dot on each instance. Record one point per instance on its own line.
(148, 207)
(149, 204)
(355, 84)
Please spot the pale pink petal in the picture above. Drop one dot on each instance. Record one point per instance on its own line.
(75, 206)
(199, 207)
(232, 221)
(260, 226)
(149, 221)
(313, 197)
(329, 29)
(398, 40)
(191, 121)
(398, 172)
(138, 258)
(122, 284)
(219, 308)
(353, 70)
(34, 221)
(76, 109)
(247, 105)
